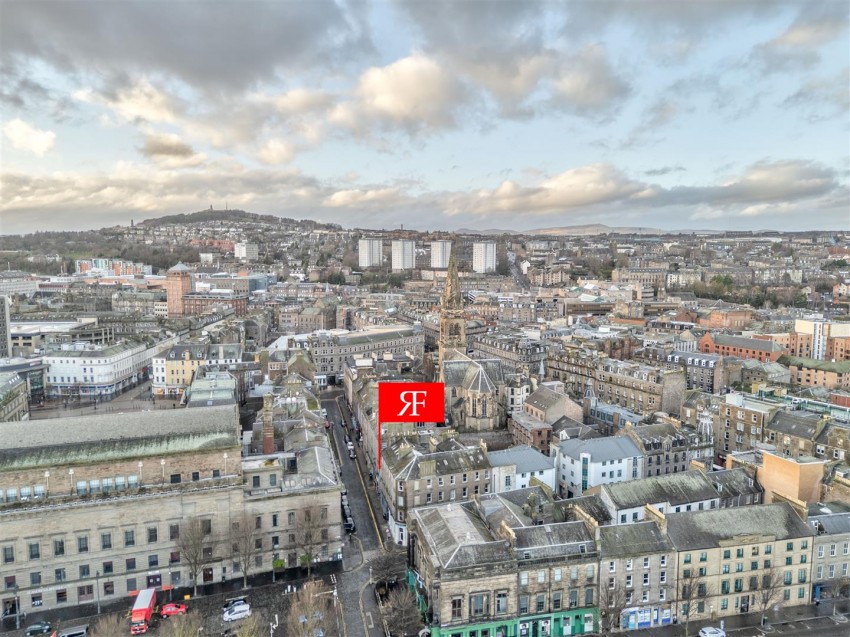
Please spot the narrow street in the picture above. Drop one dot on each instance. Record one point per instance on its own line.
(362, 615)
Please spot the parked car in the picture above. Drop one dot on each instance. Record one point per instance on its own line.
(237, 611)
(38, 628)
(172, 609)
(711, 631)
(229, 603)
(349, 525)
(351, 454)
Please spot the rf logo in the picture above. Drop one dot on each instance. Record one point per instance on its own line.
(412, 401)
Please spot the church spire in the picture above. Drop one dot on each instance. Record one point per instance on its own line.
(452, 299)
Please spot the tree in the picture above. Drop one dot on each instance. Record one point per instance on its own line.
(310, 610)
(768, 591)
(243, 532)
(693, 591)
(311, 534)
(109, 625)
(612, 601)
(401, 613)
(253, 626)
(388, 566)
(196, 546)
(182, 625)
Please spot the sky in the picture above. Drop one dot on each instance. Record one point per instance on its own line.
(728, 115)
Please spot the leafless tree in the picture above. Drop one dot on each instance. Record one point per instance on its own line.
(401, 613)
(182, 625)
(768, 591)
(693, 591)
(388, 566)
(253, 626)
(310, 535)
(310, 611)
(612, 601)
(109, 625)
(243, 535)
(196, 546)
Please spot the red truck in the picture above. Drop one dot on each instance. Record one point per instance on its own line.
(142, 612)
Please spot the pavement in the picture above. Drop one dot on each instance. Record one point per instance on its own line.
(136, 398)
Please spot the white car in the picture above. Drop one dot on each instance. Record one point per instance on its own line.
(237, 611)
(710, 631)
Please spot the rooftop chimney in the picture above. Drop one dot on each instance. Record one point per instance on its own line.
(268, 426)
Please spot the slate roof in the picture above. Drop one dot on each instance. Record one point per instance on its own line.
(705, 529)
(735, 482)
(640, 538)
(600, 449)
(456, 373)
(675, 488)
(590, 504)
(458, 538)
(525, 458)
(544, 398)
(91, 439)
(833, 524)
(551, 541)
(798, 424)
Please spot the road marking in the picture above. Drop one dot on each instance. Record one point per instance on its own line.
(369, 623)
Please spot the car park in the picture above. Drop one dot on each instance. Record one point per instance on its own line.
(38, 628)
(172, 609)
(237, 611)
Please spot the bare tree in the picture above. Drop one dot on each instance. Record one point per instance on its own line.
(310, 611)
(243, 535)
(612, 601)
(693, 591)
(388, 566)
(182, 625)
(109, 625)
(253, 626)
(196, 546)
(401, 613)
(311, 535)
(768, 591)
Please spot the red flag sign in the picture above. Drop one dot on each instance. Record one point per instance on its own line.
(410, 402)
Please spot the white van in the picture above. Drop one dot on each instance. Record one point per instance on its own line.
(75, 631)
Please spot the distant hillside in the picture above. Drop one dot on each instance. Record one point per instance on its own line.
(586, 230)
(215, 215)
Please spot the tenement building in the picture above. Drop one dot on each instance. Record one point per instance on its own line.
(129, 496)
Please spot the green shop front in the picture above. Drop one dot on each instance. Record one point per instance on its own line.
(577, 621)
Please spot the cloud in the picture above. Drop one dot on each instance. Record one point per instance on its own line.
(166, 145)
(26, 137)
(664, 170)
(797, 48)
(139, 102)
(575, 188)
(276, 151)
(357, 197)
(822, 98)
(414, 94)
(216, 46)
(587, 84)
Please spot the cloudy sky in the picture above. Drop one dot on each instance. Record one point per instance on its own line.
(507, 114)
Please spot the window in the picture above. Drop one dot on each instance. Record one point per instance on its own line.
(588, 597)
(290, 518)
(130, 564)
(175, 478)
(789, 546)
(35, 579)
(131, 584)
(457, 607)
(108, 588)
(541, 602)
(129, 538)
(557, 574)
(61, 596)
(58, 547)
(151, 534)
(82, 544)
(206, 527)
(107, 568)
(479, 604)
(523, 578)
(8, 554)
(501, 602)
(274, 519)
(541, 577)
(687, 558)
(105, 541)
(84, 571)
(60, 575)
(821, 551)
(703, 557)
(556, 600)
(153, 560)
(573, 599)
(35, 551)
(628, 581)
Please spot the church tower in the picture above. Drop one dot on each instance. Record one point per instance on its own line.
(452, 318)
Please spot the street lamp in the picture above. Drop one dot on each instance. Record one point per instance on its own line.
(225, 463)
(17, 609)
(97, 589)
(47, 485)
(162, 466)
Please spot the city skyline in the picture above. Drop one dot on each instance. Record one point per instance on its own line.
(515, 115)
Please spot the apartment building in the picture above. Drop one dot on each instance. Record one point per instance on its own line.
(740, 423)
(119, 491)
(143, 303)
(808, 372)
(246, 251)
(413, 474)
(195, 303)
(740, 560)
(85, 372)
(741, 347)
(669, 449)
(481, 569)
(175, 367)
(30, 337)
(14, 399)
(584, 464)
(484, 257)
(440, 252)
(637, 387)
(637, 577)
(370, 252)
(831, 561)
(403, 254)
(519, 353)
